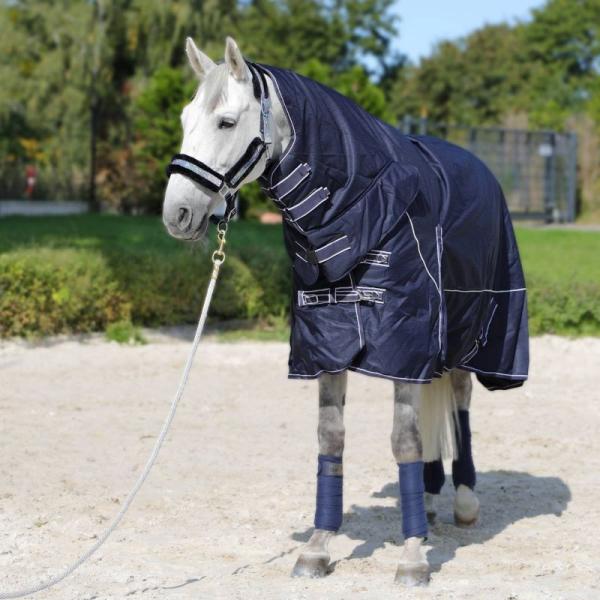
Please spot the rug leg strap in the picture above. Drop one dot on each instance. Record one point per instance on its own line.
(330, 483)
(412, 501)
(463, 469)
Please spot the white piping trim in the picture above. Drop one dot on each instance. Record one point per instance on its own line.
(438, 249)
(419, 250)
(310, 209)
(289, 118)
(301, 257)
(374, 264)
(295, 186)
(471, 353)
(289, 175)
(332, 242)
(486, 290)
(333, 255)
(299, 244)
(317, 373)
(294, 224)
(360, 370)
(360, 338)
(307, 198)
(487, 329)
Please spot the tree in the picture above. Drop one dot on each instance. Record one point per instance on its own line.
(469, 81)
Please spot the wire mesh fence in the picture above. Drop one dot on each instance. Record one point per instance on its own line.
(537, 169)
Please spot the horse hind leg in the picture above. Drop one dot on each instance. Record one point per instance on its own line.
(413, 569)
(314, 558)
(466, 503)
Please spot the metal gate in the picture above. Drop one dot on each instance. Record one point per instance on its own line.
(537, 169)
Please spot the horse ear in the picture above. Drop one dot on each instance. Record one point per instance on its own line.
(235, 61)
(201, 63)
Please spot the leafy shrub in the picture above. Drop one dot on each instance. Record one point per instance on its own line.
(564, 308)
(48, 291)
(124, 332)
(52, 291)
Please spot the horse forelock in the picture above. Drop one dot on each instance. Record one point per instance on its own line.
(213, 90)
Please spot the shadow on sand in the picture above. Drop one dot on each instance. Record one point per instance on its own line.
(506, 497)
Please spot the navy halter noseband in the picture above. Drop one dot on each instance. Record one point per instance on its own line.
(225, 184)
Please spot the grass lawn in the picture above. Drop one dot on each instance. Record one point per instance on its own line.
(555, 255)
(131, 234)
(560, 255)
(562, 267)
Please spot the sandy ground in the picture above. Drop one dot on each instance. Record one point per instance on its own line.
(231, 499)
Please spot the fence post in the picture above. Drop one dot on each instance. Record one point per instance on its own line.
(547, 150)
(572, 177)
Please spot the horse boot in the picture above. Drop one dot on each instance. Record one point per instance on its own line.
(413, 569)
(314, 560)
(466, 503)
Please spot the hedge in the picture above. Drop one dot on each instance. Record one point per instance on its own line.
(46, 291)
(52, 291)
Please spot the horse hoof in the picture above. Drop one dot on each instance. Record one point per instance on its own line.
(412, 574)
(466, 507)
(311, 565)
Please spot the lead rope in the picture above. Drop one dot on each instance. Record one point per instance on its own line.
(218, 257)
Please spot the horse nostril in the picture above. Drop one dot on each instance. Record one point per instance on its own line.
(184, 217)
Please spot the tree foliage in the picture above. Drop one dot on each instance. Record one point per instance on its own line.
(123, 60)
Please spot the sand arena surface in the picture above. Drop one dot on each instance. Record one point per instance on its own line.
(231, 499)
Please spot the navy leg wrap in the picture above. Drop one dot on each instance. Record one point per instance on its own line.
(434, 476)
(414, 522)
(330, 482)
(463, 469)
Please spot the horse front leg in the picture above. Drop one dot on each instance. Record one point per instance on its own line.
(466, 503)
(413, 568)
(314, 559)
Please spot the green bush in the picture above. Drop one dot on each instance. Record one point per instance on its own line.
(567, 308)
(127, 269)
(124, 332)
(48, 291)
(51, 291)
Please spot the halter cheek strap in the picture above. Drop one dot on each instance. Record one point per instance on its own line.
(225, 184)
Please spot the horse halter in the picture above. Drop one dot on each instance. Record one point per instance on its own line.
(224, 184)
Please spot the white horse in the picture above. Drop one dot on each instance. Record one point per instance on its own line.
(219, 124)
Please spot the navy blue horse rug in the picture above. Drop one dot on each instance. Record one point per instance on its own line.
(404, 257)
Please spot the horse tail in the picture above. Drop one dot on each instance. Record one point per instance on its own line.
(437, 415)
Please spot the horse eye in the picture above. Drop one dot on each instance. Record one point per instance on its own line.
(226, 124)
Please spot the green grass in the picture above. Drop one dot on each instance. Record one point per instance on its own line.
(560, 255)
(131, 234)
(154, 279)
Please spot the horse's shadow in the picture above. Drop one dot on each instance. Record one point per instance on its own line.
(506, 497)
